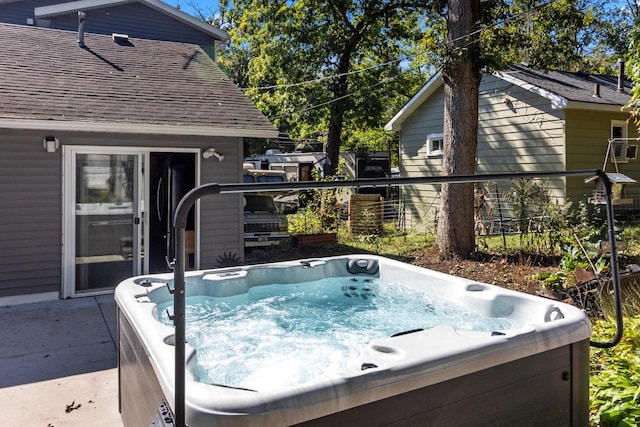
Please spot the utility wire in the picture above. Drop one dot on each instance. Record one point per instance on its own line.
(331, 101)
(333, 76)
(405, 58)
(386, 80)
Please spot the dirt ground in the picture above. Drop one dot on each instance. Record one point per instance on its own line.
(512, 272)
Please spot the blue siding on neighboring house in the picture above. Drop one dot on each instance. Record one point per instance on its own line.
(124, 19)
(128, 19)
(18, 12)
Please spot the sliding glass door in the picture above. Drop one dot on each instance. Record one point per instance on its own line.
(118, 207)
(103, 221)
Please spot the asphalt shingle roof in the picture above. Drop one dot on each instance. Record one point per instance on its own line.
(574, 86)
(47, 76)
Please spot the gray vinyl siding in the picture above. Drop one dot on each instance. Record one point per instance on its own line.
(31, 204)
(221, 215)
(588, 133)
(522, 135)
(421, 201)
(30, 215)
(137, 21)
(18, 12)
(134, 19)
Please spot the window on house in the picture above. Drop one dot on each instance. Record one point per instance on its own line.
(435, 144)
(618, 141)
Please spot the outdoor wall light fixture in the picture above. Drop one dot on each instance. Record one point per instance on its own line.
(51, 144)
(211, 152)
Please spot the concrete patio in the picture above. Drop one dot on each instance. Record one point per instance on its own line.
(58, 363)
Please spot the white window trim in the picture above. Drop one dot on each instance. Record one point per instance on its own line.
(622, 141)
(429, 144)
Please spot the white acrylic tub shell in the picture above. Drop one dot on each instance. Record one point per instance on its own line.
(404, 363)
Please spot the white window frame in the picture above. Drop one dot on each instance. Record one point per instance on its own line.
(431, 139)
(618, 145)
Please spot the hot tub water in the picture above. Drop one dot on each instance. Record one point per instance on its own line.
(485, 356)
(282, 335)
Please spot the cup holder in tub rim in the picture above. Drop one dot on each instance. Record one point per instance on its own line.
(476, 287)
(148, 282)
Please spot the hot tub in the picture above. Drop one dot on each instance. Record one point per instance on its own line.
(534, 372)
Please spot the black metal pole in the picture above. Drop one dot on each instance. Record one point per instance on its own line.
(182, 211)
(179, 321)
(179, 297)
(504, 237)
(613, 265)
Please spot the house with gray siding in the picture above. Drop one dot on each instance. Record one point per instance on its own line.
(143, 19)
(99, 142)
(529, 121)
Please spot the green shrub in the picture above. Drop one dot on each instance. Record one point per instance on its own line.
(614, 391)
(305, 221)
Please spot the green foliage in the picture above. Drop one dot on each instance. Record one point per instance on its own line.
(390, 242)
(321, 209)
(573, 257)
(631, 235)
(305, 221)
(535, 212)
(614, 394)
(528, 198)
(633, 69)
(313, 67)
(570, 35)
(363, 140)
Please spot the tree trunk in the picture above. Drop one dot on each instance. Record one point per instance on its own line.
(334, 139)
(461, 85)
(337, 109)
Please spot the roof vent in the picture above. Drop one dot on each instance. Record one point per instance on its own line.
(120, 38)
(596, 90)
(81, 18)
(620, 75)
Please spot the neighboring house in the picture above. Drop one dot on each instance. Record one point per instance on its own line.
(98, 143)
(145, 19)
(529, 121)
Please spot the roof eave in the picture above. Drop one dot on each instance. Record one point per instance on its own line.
(134, 128)
(557, 102)
(188, 19)
(64, 8)
(593, 106)
(427, 90)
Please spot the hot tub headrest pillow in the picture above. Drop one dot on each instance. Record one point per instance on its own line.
(366, 266)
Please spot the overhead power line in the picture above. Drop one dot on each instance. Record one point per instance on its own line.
(405, 58)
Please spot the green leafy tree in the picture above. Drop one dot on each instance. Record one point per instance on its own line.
(324, 69)
(332, 69)
(633, 67)
(489, 35)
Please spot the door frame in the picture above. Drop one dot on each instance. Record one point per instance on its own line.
(141, 237)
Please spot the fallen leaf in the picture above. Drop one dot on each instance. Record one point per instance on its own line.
(72, 407)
